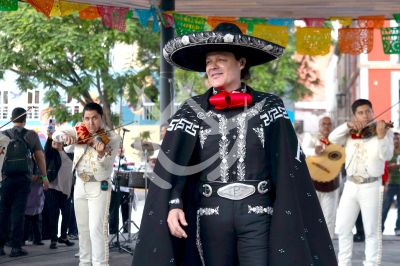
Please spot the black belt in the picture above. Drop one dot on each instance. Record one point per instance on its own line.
(234, 190)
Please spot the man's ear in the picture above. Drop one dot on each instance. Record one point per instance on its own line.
(242, 62)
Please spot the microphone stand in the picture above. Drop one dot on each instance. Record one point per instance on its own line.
(118, 191)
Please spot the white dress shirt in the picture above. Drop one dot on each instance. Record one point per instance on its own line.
(364, 157)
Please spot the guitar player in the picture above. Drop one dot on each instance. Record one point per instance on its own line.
(327, 192)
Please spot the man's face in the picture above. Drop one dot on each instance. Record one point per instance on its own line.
(325, 126)
(364, 113)
(396, 141)
(223, 70)
(163, 131)
(57, 145)
(92, 120)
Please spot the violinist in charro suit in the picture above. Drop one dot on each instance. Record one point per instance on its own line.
(327, 192)
(365, 160)
(93, 162)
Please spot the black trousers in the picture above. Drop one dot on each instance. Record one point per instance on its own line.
(13, 195)
(114, 210)
(33, 228)
(57, 201)
(234, 232)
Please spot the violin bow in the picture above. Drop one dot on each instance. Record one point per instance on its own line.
(382, 113)
(105, 132)
(12, 120)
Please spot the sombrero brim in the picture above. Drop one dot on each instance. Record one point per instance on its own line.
(189, 51)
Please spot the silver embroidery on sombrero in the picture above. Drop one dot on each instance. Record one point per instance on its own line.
(211, 37)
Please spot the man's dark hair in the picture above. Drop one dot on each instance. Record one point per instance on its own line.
(358, 103)
(245, 72)
(93, 107)
(20, 113)
(396, 134)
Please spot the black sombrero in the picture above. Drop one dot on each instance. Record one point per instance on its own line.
(189, 51)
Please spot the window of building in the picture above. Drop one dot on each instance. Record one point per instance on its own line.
(4, 105)
(29, 97)
(5, 97)
(5, 112)
(36, 97)
(34, 104)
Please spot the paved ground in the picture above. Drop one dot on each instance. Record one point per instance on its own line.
(64, 256)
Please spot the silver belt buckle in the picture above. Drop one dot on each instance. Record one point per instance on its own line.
(85, 177)
(357, 179)
(236, 191)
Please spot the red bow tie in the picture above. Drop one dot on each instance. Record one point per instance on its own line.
(233, 99)
(356, 136)
(325, 141)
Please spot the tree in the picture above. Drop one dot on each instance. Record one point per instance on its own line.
(71, 55)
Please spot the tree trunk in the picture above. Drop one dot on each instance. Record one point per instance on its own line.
(107, 115)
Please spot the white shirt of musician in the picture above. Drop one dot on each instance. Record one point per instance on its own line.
(88, 163)
(86, 158)
(310, 141)
(364, 157)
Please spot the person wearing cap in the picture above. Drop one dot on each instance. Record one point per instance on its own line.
(230, 185)
(15, 189)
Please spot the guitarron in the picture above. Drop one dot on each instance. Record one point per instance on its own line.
(326, 167)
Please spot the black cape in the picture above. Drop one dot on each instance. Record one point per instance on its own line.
(298, 234)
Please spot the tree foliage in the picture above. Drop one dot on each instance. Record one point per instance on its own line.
(74, 57)
(71, 55)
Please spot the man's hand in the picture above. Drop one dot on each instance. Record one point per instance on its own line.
(381, 129)
(176, 218)
(319, 149)
(100, 148)
(46, 184)
(356, 125)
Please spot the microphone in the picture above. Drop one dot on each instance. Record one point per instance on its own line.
(126, 130)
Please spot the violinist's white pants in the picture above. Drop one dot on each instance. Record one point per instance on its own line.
(356, 197)
(92, 210)
(329, 202)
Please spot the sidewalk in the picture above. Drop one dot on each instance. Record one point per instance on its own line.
(64, 256)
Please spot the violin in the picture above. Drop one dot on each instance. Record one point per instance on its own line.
(368, 131)
(85, 137)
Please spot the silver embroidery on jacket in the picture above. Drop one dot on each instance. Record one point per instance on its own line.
(174, 201)
(273, 114)
(184, 125)
(260, 133)
(260, 210)
(203, 136)
(241, 152)
(223, 147)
